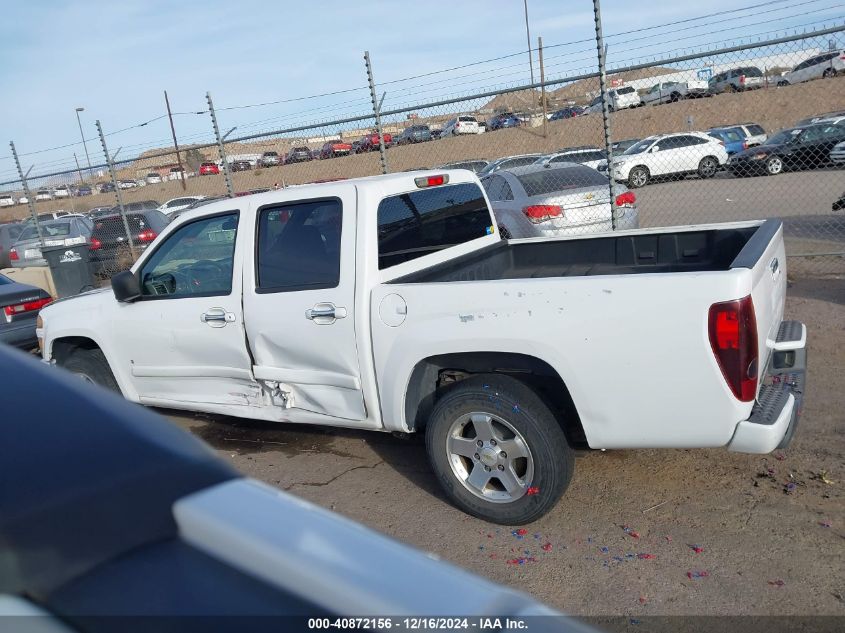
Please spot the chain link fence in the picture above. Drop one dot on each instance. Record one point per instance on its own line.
(733, 132)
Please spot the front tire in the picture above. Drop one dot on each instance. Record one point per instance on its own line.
(707, 167)
(498, 451)
(829, 72)
(91, 366)
(638, 177)
(774, 166)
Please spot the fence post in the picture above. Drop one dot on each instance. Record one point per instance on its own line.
(376, 112)
(543, 89)
(229, 189)
(182, 174)
(605, 114)
(29, 201)
(117, 193)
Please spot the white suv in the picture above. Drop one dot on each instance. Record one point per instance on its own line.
(460, 125)
(670, 155)
(618, 99)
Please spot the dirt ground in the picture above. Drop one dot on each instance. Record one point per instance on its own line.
(639, 533)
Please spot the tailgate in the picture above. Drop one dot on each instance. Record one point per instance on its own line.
(765, 256)
(696, 84)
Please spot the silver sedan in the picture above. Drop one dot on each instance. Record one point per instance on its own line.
(63, 232)
(563, 199)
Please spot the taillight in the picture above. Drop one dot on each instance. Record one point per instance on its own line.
(732, 327)
(94, 244)
(537, 213)
(742, 79)
(626, 199)
(13, 254)
(744, 145)
(147, 236)
(23, 308)
(431, 181)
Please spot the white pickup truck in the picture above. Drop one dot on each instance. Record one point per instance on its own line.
(671, 91)
(391, 303)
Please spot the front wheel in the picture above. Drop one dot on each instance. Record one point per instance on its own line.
(774, 166)
(638, 177)
(707, 167)
(829, 72)
(498, 451)
(91, 366)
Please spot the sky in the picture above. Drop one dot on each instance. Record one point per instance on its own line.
(115, 59)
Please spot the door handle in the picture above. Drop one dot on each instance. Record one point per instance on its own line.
(217, 317)
(325, 313)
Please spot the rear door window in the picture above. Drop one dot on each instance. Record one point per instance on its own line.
(756, 129)
(422, 222)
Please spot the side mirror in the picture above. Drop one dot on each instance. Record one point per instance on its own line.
(126, 287)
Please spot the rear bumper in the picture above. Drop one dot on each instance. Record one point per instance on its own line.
(777, 410)
(20, 335)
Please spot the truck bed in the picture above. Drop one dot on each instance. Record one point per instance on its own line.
(659, 252)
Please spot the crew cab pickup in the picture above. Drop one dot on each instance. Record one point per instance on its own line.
(671, 91)
(391, 303)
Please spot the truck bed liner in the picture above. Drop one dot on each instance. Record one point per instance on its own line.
(678, 251)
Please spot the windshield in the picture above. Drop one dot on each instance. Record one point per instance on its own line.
(639, 147)
(784, 137)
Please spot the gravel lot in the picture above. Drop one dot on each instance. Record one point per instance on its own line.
(766, 551)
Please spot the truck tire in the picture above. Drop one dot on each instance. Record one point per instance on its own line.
(638, 177)
(91, 365)
(675, 97)
(502, 414)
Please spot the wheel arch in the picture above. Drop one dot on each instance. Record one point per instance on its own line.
(63, 346)
(425, 381)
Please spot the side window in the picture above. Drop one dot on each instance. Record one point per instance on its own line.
(197, 259)
(506, 190)
(804, 64)
(299, 246)
(756, 129)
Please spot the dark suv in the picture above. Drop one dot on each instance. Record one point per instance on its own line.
(109, 250)
(414, 134)
(298, 155)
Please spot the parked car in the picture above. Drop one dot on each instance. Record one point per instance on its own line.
(209, 169)
(98, 212)
(370, 142)
(9, 232)
(127, 184)
(669, 155)
(356, 147)
(414, 134)
(451, 331)
(736, 80)
(672, 91)
(566, 113)
(618, 99)
(589, 156)
(475, 166)
(20, 304)
(460, 125)
(84, 190)
(176, 173)
(621, 146)
(153, 178)
(837, 154)
(792, 149)
(62, 191)
(557, 199)
(177, 204)
(334, 148)
(482, 126)
(7, 200)
(753, 132)
(106, 187)
(63, 232)
(109, 250)
(270, 159)
(820, 117)
(240, 165)
(732, 138)
(509, 162)
(43, 194)
(23, 200)
(298, 155)
(827, 64)
(500, 121)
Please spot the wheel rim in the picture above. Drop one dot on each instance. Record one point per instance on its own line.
(774, 165)
(708, 167)
(85, 377)
(489, 457)
(639, 177)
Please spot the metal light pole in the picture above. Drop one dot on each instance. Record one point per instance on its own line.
(78, 110)
(605, 114)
